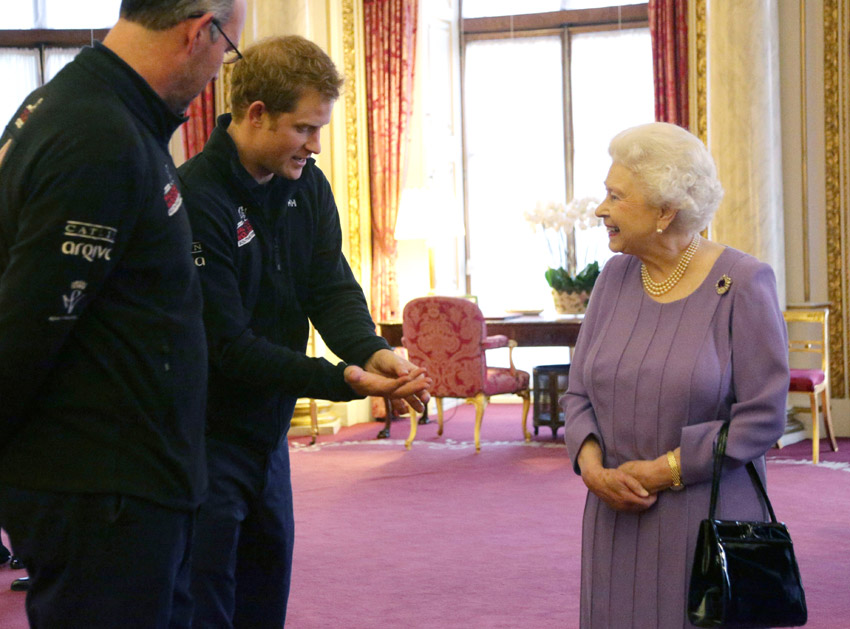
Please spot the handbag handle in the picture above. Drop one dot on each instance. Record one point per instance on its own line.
(719, 453)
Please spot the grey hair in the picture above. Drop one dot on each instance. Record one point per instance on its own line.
(159, 15)
(675, 168)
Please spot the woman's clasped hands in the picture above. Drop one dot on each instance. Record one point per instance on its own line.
(618, 489)
(631, 487)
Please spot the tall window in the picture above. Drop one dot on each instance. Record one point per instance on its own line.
(540, 107)
(47, 35)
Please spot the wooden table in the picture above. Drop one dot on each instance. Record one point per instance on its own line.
(538, 331)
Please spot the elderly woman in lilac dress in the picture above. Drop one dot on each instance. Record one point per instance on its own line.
(681, 335)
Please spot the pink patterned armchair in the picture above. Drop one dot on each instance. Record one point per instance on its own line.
(448, 336)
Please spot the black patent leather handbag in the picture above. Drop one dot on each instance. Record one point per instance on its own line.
(744, 573)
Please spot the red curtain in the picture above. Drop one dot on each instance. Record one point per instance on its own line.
(390, 56)
(201, 114)
(668, 27)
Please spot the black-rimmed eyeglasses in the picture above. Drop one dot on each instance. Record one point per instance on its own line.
(233, 55)
(230, 56)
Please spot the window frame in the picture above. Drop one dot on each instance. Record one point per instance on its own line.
(507, 24)
(50, 38)
(41, 39)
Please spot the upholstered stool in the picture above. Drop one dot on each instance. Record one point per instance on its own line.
(550, 383)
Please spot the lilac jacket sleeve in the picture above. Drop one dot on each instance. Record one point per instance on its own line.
(759, 378)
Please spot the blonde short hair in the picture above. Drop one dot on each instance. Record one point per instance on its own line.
(277, 71)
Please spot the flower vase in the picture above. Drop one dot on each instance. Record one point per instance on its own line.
(570, 302)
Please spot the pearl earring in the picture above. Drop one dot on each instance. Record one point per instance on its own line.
(659, 231)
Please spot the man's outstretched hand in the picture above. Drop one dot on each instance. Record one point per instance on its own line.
(388, 375)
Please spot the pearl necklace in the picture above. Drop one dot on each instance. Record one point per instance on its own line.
(656, 289)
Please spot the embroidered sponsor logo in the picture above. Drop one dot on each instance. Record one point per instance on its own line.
(197, 251)
(90, 231)
(291, 203)
(25, 113)
(76, 296)
(244, 230)
(71, 301)
(86, 250)
(173, 199)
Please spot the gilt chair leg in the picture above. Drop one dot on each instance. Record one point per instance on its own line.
(815, 430)
(480, 401)
(827, 420)
(526, 402)
(413, 424)
(439, 403)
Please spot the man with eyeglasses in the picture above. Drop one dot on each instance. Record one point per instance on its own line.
(268, 245)
(103, 361)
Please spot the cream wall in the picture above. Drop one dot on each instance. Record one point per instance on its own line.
(792, 148)
(744, 133)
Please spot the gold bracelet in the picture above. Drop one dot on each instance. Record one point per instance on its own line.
(674, 470)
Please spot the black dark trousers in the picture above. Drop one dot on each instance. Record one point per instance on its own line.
(242, 551)
(100, 560)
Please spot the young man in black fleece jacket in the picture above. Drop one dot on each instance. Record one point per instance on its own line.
(102, 349)
(267, 243)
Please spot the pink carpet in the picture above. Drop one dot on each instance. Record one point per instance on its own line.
(440, 537)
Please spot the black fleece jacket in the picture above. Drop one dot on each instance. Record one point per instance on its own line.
(270, 258)
(102, 350)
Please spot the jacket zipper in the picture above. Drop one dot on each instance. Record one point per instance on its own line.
(276, 248)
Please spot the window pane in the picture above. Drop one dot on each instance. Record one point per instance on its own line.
(515, 157)
(56, 58)
(20, 72)
(493, 8)
(612, 89)
(19, 14)
(89, 14)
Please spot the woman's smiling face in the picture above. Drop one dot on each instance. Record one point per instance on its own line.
(630, 219)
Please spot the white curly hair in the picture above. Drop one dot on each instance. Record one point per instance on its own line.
(675, 168)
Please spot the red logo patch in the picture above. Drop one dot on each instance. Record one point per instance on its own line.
(244, 232)
(172, 197)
